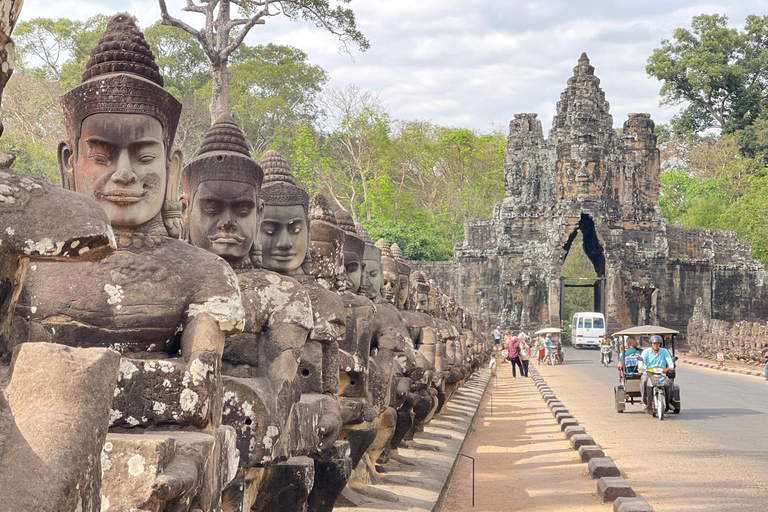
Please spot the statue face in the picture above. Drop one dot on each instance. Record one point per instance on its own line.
(373, 277)
(391, 286)
(224, 217)
(284, 237)
(404, 290)
(422, 302)
(121, 163)
(354, 270)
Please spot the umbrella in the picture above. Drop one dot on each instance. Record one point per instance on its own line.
(548, 330)
(645, 329)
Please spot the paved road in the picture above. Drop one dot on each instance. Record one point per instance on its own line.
(712, 456)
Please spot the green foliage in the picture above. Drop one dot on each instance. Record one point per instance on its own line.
(424, 242)
(721, 72)
(58, 49)
(32, 157)
(180, 58)
(576, 264)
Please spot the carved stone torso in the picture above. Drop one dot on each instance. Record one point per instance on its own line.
(271, 301)
(135, 301)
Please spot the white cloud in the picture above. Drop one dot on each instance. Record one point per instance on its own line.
(477, 63)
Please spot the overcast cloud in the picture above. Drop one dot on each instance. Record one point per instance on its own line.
(474, 64)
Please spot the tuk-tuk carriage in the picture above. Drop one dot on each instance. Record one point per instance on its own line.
(628, 390)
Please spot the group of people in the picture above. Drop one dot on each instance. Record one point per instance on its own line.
(519, 349)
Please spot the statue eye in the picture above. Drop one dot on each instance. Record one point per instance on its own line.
(100, 158)
(146, 159)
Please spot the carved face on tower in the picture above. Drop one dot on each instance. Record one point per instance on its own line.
(353, 251)
(120, 128)
(284, 233)
(222, 193)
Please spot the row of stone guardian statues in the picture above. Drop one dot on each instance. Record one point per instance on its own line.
(238, 347)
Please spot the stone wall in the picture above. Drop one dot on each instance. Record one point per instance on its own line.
(737, 341)
(442, 272)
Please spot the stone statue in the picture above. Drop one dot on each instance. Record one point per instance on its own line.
(371, 284)
(164, 305)
(326, 247)
(285, 240)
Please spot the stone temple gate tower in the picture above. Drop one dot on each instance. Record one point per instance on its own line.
(585, 176)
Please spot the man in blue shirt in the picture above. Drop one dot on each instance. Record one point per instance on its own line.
(653, 357)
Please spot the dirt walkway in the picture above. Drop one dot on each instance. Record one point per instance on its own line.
(522, 460)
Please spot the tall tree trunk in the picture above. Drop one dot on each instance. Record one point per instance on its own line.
(219, 90)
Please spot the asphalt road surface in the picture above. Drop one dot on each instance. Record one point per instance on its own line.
(713, 456)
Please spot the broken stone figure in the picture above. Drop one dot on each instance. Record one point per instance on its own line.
(164, 305)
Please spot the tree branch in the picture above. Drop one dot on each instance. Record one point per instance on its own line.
(175, 22)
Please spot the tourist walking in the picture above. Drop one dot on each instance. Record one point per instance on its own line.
(497, 336)
(514, 357)
(525, 353)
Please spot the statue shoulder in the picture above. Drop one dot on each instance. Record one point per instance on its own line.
(216, 290)
(275, 298)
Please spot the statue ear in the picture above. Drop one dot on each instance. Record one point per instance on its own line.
(172, 206)
(66, 170)
(174, 175)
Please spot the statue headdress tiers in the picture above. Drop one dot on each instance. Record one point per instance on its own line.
(372, 252)
(280, 188)
(353, 242)
(223, 155)
(327, 260)
(398, 255)
(121, 76)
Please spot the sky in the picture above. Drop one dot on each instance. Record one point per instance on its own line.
(475, 63)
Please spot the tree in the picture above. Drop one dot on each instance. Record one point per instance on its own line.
(273, 88)
(721, 72)
(61, 46)
(223, 33)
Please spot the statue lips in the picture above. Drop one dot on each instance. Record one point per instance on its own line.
(226, 238)
(283, 256)
(123, 197)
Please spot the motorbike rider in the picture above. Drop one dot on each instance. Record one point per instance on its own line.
(605, 342)
(652, 357)
(549, 345)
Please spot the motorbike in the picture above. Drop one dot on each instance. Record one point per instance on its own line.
(605, 355)
(656, 394)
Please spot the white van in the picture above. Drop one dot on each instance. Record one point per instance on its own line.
(587, 329)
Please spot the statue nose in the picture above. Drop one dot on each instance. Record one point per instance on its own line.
(124, 174)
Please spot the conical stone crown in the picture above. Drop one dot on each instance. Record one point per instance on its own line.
(224, 135)
(122, 49)
(280, 187)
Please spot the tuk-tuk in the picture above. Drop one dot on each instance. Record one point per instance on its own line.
(628, 390)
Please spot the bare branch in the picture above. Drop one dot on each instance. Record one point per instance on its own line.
(175, 22)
